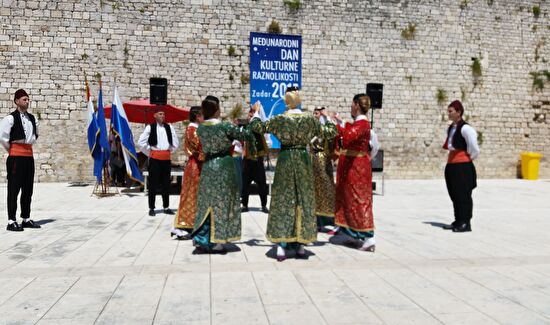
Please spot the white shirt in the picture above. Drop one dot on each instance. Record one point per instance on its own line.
(162, 140)
(470, 135)
(5, 128)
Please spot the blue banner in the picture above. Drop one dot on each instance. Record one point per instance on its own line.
(275, 65)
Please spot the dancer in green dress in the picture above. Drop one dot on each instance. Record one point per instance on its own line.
(291, 222)
(218, 218)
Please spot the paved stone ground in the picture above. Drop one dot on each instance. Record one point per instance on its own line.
(106, 261)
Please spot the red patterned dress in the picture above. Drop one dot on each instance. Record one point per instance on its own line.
(185, 218)
(354, 180)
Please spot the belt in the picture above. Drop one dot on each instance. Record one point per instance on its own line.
(293, 148)
(217, 155)
(20, 149)
(458, 156)
(160, 154)
(353, 153)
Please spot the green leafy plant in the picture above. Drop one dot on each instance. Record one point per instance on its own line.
(274, 28)
(464, 4)
(231, 77)
(293, 4)
(231, 50)
(498, 18)
(84, 56)
(409, 78)
(245, 79)
(476, 68)
(409, 32)
(536, 11)
(538, 81)
(235, 112)
(441, 96)
(479, 138)
(115, 5)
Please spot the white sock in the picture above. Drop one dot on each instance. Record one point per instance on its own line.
(26, 219)
(369, 242)
(280, 251)
(10, 222)
(217, 247)
(301, 250)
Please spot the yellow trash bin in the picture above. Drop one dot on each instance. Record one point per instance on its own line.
(530, 162)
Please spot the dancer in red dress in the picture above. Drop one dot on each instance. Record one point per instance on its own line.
(354, 178)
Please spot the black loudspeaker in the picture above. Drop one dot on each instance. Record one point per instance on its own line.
(377, 164)
(374, 91)
(158, 91)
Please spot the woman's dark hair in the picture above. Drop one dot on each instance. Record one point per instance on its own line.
(194, 112)
(209, 107)
(356, 97)
(364, 103)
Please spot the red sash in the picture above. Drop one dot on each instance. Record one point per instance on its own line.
(160, 154)
(458, 156)
(20, 149)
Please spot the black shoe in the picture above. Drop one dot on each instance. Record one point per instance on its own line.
(29, 224)
(152, 212)
(168, 211)
(448, 227)
(462, 228)
(244, 209)
(265, 209)
(14, 227)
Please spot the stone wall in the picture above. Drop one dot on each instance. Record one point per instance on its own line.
(46, 46)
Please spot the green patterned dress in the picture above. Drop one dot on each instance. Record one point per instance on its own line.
(321, 152)
(292, 211)
(218, 218)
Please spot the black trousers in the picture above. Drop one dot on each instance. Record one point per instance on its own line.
(254, 170)
(20, 178)
(461, 179)
(159, 181)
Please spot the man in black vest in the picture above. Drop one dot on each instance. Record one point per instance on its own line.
(18, 132)
(158, 141)
(254, 170)
(460, 172)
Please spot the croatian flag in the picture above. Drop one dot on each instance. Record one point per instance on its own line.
(121, 127)
(93, 136)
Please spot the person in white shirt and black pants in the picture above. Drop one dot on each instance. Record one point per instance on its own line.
(158, 141)
(18, 132)
(460, 172)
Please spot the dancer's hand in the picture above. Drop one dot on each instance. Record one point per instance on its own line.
(256, 106)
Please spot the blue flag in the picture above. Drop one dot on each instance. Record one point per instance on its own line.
(121, 127)
(102, 137)
(93, 136)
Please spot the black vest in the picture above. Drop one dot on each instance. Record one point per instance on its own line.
(17, 132)
(153, 135)
(458, 140)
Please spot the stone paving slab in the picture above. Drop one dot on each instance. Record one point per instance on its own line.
(105, 261)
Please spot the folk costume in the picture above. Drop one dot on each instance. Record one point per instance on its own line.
(218, 217)
(185, 217)
(254, 171)
(18, 133)
(158, 141)
(291, 222)
(460, 172)
(321, 152)
(354, 182)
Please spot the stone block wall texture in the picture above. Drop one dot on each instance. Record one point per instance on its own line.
(46, 46)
